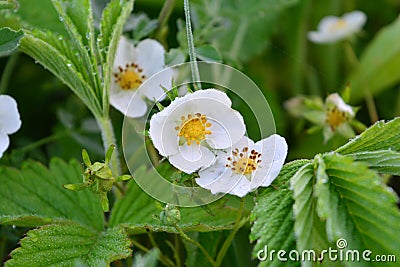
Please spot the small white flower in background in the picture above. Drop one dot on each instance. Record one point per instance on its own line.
(9, 121)
(132, 67)
(245, 167)
(193, 125)
(337, 117)
(332, 29)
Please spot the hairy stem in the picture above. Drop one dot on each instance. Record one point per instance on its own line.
(192, 53)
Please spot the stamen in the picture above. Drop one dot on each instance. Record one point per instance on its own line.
(193, 128)
(128, 78)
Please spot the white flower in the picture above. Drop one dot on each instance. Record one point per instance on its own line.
(332, 29)
(191, 126)
(9, 121)
(245, 167)
(337, 117)
(132, 67)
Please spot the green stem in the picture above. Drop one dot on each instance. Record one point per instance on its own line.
(8, 70)
(192, 53)
(368, 97)
(107, 133)
(43, 141)
(163, 18)
(238, 224)
(197, 244)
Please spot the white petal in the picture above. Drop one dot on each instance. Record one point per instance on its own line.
(326, 23)
(9, 116)
(274, 151)
(355, 19)
(212, 94)
(227, 128)
(150, 56)
(336, 100)
(4, 143)
(128, 102)
(163, 134)
(220, 179)
(152, 87)
(191, 158)
(125, 54)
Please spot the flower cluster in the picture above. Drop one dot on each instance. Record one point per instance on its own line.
(9, 121)
(201, 132)
(333, 115)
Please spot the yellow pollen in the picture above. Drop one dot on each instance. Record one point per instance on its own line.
(193, 128)
(338, 25)
(335, 117)
(130, 77)
(244, 162)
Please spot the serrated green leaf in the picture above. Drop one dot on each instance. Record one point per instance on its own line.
(58, 56)
(78, 21)
(113, 18)
(9, 40)
(34, 196)
(208, 53)
(380, 136)
(136, 211)
(378, 70)
(383, 161)
(357, 206)
(70, 244)
(308, 227)
(272, 215)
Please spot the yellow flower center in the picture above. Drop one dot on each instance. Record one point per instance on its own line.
(193, 128)
(338, 25)
(244, 162)
(130, 77)
(335, 117)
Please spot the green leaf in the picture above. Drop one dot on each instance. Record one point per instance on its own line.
(378, 70)
(58, 56)
(211, 242)
(174, 56)
(70, 244)
(77, 17)
(113, 18)
(380, 136)
(308, 227)
(272, 215)
(34, 196)
(136, 211)
(383, 161)
(208, 53)
(357, 206)
(9, 40)
(239, 29)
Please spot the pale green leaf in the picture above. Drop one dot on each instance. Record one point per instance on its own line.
(147, 260)
(383, 161)
(137, 210)
(208, 53)
(34, 196)
(272, 215)
(357, 206)
(308, 227)
(70, 244)
(9, 40)
(378, 70)
(380, 136)
(175, 56)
